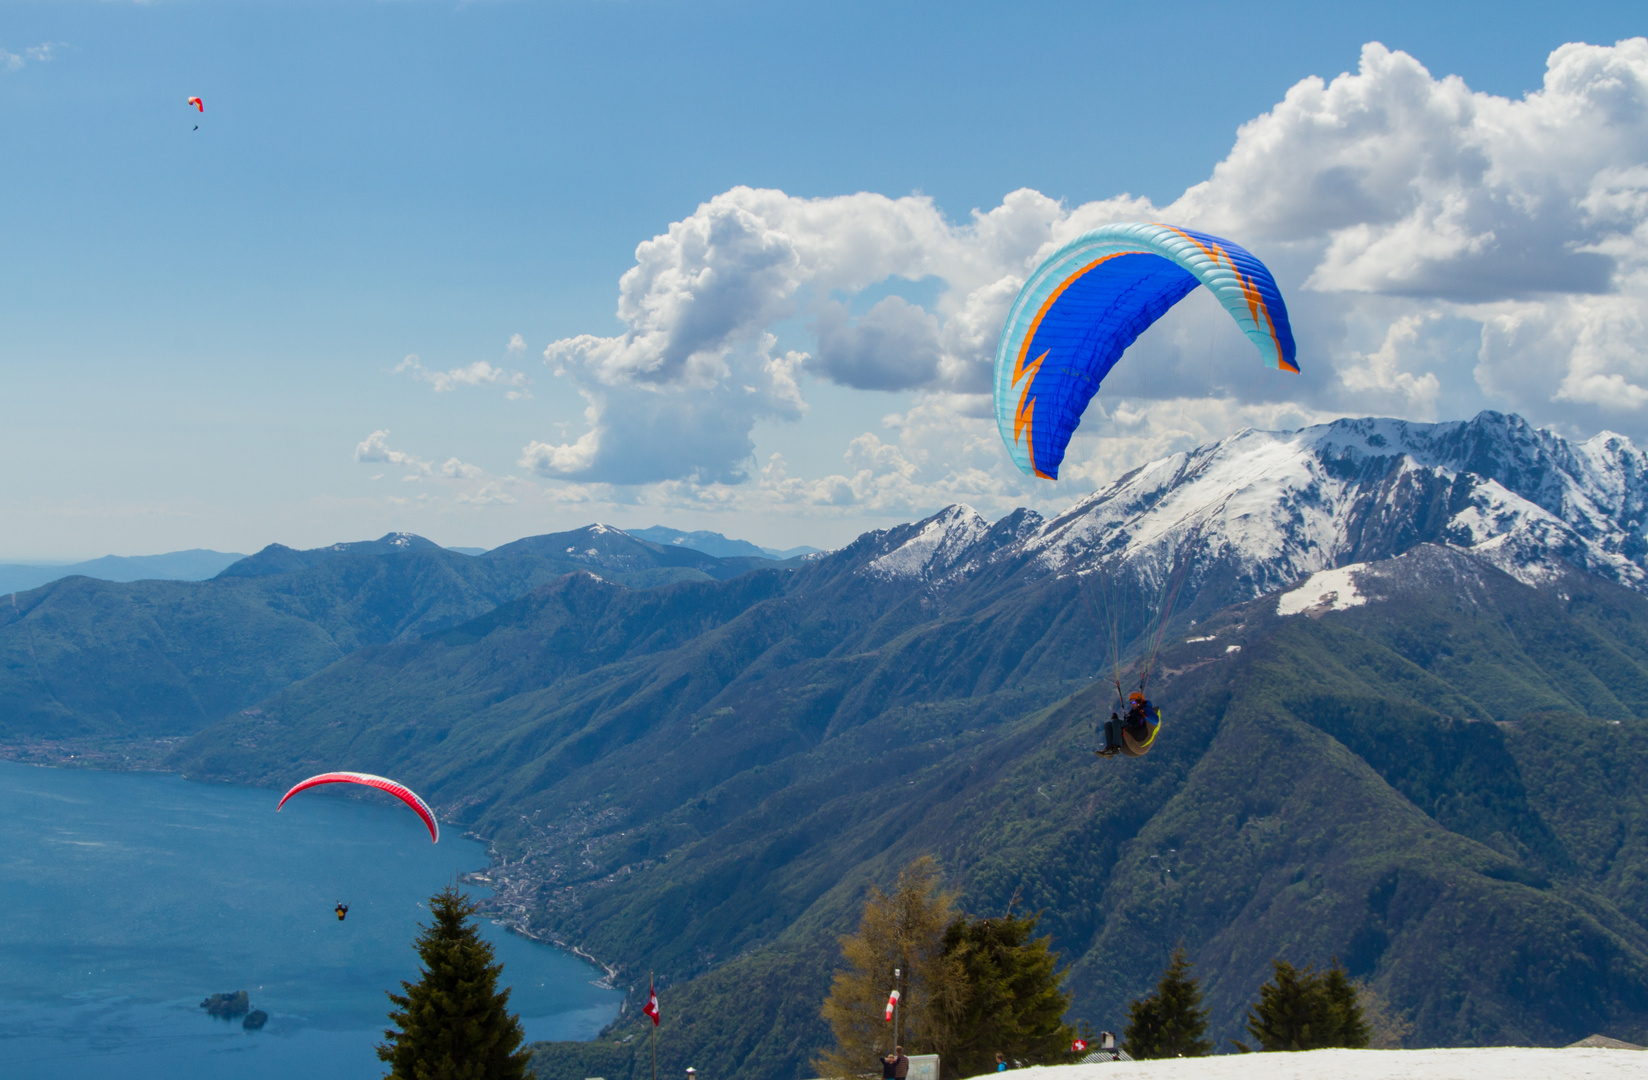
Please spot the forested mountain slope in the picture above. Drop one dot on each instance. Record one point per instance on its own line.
(1341, 785)
(83, 657)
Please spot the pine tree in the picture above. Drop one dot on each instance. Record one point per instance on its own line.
(454, 1023)
(1292, 1011)
(904, 930)
(1353, 1030)
(1170, 1022)
(1008, 997)
(1307, 1010)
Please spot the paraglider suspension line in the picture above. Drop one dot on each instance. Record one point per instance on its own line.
(1174, 583)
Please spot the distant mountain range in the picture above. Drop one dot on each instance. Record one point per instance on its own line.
(1404, 683)
(82, 657)
(196, 564)
(713, 543)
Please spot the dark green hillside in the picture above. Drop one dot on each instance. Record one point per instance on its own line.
(83, 658)
(87, 658)
(1352, 804)
(1441, 786)
(582, 683)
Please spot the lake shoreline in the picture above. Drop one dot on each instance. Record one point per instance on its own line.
(134, 892)
(106, 755)
(509, 906)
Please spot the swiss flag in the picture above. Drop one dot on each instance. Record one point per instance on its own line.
(1078, 1046)
(892, 1000)
(651, 1007)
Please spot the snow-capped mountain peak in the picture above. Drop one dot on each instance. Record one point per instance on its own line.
(1262, 510)
(940, 546)
(1276, 506)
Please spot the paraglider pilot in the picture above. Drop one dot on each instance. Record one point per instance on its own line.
(1138, 724)
(341, 910)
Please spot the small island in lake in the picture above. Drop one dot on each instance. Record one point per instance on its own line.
(227, 1006)
(255, 1020)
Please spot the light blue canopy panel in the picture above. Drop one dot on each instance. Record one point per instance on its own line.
(1091, 299)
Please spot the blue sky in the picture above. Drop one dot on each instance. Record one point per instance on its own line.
(200, 330)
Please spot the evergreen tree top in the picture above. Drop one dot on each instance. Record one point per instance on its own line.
(1303, 1009)
(1171, 1021)
(454, 1023)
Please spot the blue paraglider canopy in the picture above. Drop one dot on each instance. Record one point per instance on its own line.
(1088, 301)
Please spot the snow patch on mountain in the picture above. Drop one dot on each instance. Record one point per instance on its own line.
(1324, 591)
(939, 548)
(1254, 498)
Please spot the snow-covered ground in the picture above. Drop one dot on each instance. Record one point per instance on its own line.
(1324, 591)
(1488, 1063)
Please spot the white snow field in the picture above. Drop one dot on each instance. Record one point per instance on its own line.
(1324, 591)
(1483, 1063)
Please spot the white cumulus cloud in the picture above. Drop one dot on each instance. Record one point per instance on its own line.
(480, 373)
(375, 447)
(44, 53)
(644, 429)
(893, 346)
(1440, 249)
(492, 493)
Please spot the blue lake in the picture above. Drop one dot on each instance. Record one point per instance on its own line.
(129, 897)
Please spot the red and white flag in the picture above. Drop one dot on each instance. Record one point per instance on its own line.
(892, 1001)
(1078, 1046)
(651, 1007)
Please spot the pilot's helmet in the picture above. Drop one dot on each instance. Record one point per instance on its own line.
(1137, 695)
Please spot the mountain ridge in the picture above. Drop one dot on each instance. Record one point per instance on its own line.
(85, 658)
(194, 564)
(1257, 510)
(713, 543)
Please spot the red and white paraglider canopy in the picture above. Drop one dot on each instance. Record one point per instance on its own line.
(400, 791)
(200, 106)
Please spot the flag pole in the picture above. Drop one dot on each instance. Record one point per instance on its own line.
(654, 1033)
(898, 986)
